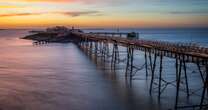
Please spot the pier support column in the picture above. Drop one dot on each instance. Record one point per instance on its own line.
(205, 86)
(160, 74)
(178, 81)
(115, 56)
(91, 49)
(152, 65)
(127, 63)
(105, 50)
(96, 51)
(130, 62)
(186, 78)
(146, 62)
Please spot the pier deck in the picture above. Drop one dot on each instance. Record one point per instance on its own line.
(191, 52)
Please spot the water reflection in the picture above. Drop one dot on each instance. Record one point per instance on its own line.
(62, 77)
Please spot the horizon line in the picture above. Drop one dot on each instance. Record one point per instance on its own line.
(100, 28)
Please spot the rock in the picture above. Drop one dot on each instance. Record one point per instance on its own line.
(49, 37)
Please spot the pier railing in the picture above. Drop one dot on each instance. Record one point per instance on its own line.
(192, 52)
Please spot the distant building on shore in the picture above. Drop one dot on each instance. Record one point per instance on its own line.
(57, 29)
(62, 29)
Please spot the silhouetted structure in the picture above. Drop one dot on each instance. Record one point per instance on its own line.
(97, 44)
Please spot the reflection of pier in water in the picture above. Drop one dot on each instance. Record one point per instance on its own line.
(106, 48)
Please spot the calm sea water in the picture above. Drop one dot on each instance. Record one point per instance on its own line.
(62, 77)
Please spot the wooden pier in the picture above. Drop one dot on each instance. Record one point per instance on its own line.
(183, 53)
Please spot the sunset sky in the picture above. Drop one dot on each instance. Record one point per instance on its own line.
(103, 13)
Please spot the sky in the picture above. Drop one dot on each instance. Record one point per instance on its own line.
(103, 13)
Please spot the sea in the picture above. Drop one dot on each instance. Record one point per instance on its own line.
(62, 77)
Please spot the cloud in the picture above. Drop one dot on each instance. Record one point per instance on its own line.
(18, 14)
(74, 1)
(55, 1)
(116, 2)
(198, 12)
(80, 13)
(178, 12)
(69, 13)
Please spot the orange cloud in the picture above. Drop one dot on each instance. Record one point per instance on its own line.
(9, 6)
(111, 2)
(70, 1)
(45, 0)
(69, 13)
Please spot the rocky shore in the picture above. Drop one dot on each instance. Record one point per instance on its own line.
(48, 37)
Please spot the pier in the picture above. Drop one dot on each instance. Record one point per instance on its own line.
(113, 34)
(106, 46)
